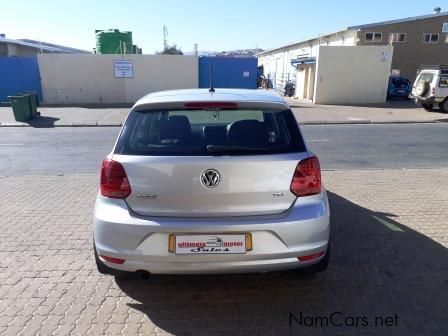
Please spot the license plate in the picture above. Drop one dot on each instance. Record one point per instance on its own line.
(210, 244)
(401, 91)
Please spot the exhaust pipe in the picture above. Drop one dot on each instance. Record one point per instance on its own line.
(143, 274)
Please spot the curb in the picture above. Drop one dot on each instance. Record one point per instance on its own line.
(370, 122)
(43, 125)
(305, 123)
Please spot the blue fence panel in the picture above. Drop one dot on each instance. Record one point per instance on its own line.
(19, 74)
(237, 73)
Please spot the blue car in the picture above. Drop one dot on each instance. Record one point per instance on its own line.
(398, 87)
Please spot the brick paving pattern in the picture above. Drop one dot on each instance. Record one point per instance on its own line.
(389, 256)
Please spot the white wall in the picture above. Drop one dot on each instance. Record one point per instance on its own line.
(352, 75)
(87, 79)
(277, 62)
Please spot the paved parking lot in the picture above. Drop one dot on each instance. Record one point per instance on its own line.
(389, 264)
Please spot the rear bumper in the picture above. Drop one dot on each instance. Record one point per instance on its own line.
(396, 93)
(253, 266)
(425, 100)
(278, 240)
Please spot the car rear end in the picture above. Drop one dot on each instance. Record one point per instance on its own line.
(399, 87)
(424, 88)
(210, 186)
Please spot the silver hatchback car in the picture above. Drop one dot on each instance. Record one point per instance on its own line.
(211, 182)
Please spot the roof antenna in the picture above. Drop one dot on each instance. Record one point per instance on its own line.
(212, 89)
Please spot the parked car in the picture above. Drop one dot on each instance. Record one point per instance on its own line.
(430, 89)
(202, 182)
(398, 87)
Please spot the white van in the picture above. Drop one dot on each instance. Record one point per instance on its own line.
(430, 89)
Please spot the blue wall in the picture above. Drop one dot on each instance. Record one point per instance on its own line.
(228, 72)
(18, 74)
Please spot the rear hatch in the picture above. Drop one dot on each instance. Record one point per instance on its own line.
(424, 83)
(202, 162)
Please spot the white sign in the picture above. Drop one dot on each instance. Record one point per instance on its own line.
(123, 69)
(246, 74)
(210, 244)
(445, 27)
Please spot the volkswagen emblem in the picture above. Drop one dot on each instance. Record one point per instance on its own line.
(210, 178)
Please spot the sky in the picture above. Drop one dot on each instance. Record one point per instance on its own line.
(213, 25)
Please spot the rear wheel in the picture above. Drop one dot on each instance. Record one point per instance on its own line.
(103, 269)
(444, 105)
(427, 107)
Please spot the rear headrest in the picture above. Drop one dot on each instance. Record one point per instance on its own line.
(176, 127)
(216, 135)
(181, 122)
(248, 133)
(167, 130)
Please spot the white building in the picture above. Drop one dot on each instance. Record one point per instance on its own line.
(358, 57)
(282, 64)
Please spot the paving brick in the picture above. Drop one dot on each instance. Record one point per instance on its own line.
(64, 329)
(389, 255)
(12, 331)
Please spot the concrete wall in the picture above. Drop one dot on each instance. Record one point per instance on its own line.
(90, 79)
(352, 75)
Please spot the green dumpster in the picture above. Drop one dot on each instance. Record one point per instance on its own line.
(34, 103)
(21, 107)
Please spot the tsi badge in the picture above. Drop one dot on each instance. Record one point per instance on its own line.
(147, 196)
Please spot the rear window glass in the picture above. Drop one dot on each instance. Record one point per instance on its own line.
(399, 82)
(209, 132)
(426, 77)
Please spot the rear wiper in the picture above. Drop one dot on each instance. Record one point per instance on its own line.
(215, 149)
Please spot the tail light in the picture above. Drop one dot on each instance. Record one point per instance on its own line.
(311, 256)
(307, 179)
(114, 181)
(113, 260)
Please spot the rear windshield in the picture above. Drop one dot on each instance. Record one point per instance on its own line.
(426, 77)
(209, 132)
(399, 82)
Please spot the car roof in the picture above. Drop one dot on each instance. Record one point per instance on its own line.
(243, 97)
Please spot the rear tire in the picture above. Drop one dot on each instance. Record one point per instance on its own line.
(103, 269)
(427, 107)
(444, 105)
(321, 266)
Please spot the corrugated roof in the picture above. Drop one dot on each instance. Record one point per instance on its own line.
(408, 19)
(46, 47)
(75, 50)
(299, 42)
